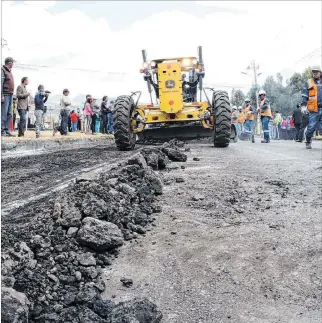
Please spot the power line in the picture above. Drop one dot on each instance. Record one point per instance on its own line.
(35, 67)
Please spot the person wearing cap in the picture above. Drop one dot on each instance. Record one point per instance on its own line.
(65, 104)
(22, 105)
(249, 116)
(40, 98)
(7, 89)
(312, 98)
(265, 115)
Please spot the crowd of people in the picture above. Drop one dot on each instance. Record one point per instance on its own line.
(91, 119)
(306, 120)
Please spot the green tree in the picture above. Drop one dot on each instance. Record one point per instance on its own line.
(237, 97)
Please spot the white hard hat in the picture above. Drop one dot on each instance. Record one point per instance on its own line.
(261, 92)
(234, 107)
(247, 100)
(316, 68)
(240, 107)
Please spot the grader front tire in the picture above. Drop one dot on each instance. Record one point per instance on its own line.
(123, 110)
(222, 112)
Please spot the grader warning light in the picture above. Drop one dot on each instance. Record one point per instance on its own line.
(178, 109)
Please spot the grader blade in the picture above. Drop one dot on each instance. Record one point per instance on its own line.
(186, 132)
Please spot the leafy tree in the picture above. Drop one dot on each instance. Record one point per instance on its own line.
(237, 97)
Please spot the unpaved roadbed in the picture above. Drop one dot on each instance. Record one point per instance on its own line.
(238, 241)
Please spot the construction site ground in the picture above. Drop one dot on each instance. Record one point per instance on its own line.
(238, 239)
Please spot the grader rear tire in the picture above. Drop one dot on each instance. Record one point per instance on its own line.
(222, 112)
(123, 109)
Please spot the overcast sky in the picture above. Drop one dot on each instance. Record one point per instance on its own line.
(103, 40)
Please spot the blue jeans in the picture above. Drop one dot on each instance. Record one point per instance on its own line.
(314, 118)
(110, 125)
(6, 113)
(248, 127)
(239, 128)
(74, 126)
(22, 121)
(97, 125)
(265, 123)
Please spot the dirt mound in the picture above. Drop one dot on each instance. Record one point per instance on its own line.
(53, 274)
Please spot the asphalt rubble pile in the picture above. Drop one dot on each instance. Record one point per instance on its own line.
(53, 273)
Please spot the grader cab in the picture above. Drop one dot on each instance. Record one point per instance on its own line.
(177, 110)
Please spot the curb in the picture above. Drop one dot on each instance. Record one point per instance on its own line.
(32, 146)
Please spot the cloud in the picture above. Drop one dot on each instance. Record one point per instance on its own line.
(274, 34)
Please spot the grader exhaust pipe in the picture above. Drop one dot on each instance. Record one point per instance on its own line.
(144, 56)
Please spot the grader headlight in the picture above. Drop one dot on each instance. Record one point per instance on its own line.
(186, 62)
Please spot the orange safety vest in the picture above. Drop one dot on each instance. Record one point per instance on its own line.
(312, 103)
(267, 112)
(233, 115)
(241, 117)
(249, 116)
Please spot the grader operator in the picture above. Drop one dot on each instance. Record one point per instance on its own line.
(177, 111)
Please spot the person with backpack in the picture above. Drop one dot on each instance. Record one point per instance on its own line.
(40, 98)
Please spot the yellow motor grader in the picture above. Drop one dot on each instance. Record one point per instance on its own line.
(178, 111)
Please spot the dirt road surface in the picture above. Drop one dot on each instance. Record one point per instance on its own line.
(238, 241)
(239, 238)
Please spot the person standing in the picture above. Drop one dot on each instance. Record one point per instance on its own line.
(74, 119)
(65, 104)
(40, 98)
(110, 122)
(14, 110)
(240, 120)
(104, 113)
(88, 114)
(297, 118)
(22, 105)
(249, 116)
(7, 89)
(80, 120)
(312, 98)
(284, 128)
(304, 124)
(265, 115)
(278, 121)
(95, 118)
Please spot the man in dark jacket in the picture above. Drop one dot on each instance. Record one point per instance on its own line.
(7, 89)
(297, 118)
(40, 98)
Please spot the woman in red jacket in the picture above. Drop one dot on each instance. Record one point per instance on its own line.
(74, 120)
